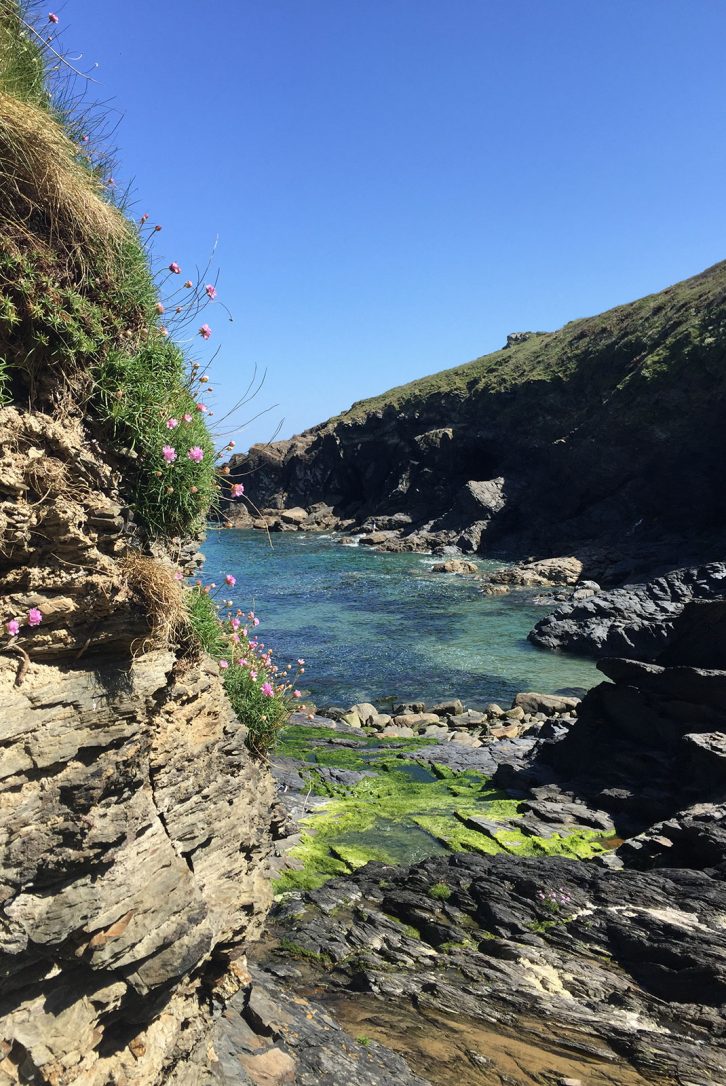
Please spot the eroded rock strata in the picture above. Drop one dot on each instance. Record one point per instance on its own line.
(135, 826)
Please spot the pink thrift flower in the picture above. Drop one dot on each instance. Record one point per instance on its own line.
(244, 632)
(237, 490)
(13, 627)
(267, 690)
(144, 218)
(223, 664)
(178, 576)
(188, 283)
(171, 424)
(202, 407)
(230, 580)
(169, 454)
(187, 417)
(235, 638)
(159, 308)
(52, 17)
(255, 622)
(174, 268)
(210, 291)
(205, 331)
(235, 623)
(301, 662)
(253, 674)
(242, 662)
(297, 693)
(35, 617)
(196, 454)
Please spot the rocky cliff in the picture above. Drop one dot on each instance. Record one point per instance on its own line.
(609, 430)
(134, 824)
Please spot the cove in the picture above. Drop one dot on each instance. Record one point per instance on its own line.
(373, 626)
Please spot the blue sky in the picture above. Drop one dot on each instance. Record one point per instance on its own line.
(397, 184)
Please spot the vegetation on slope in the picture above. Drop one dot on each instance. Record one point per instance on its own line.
(615, 353)
(80, 316)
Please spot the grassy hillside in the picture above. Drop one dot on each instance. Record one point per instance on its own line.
(610, 353)
(81, 334)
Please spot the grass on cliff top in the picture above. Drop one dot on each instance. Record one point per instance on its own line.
(79, 331)
(658, 336)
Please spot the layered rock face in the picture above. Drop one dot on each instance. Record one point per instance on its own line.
(134, 825)
(607, 430)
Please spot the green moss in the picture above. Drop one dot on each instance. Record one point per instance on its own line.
(295, 950)
(356, 825)
(440, 891)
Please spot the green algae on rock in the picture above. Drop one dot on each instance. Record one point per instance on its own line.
(400, 811)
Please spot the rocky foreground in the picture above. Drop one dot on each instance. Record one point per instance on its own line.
(520, 966)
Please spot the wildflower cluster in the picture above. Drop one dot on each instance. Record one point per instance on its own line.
(262, 692)
(554, 900)
(13, 625)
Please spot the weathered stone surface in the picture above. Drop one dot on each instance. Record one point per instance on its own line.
(633, 621)
(541, 573)
(134, 826)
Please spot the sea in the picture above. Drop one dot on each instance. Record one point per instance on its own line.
(383, 627)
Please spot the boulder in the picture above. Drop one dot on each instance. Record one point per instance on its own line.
(549, 704)
(294, 516)
(365, 712)
(455, 565)
(448, 708)
(415, 720)
(541, 573)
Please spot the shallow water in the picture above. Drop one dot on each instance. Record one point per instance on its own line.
(372, 626)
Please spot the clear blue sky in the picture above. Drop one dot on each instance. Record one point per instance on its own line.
(397, 184)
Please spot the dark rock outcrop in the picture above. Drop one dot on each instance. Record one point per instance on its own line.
(635, 620)
(626, 953)
(508, 451)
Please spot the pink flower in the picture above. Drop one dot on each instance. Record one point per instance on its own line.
(235, 638)
(297, 693)
(144, 218)
(169, 454)
(187, 417)
(237, 490)
(223, 664)
(196, 454)
(188, 283)
(164, 330)
(159, 308)
(301, 662)
(52, 17)
(171, 424)
(35, 617)
(13, 627)
(210, 291)
(174, 268)
(205, 331)
(235, 623)
(253, 674)
(85, 139)
(267, 690)
(242, 662)
(111, 181)
(202, 407)
(178, 576)
(230, 444)
(255, 622)
(230, 580)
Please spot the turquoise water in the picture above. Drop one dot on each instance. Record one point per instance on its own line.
(372, 626)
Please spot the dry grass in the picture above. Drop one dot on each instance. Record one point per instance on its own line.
(161, 595)
(47, 195)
